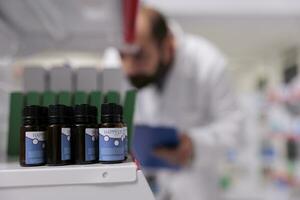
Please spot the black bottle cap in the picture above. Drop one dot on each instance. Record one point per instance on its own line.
(57, 110)
(108, 108)
(110, 112)
(34, 114)
(81, 113)
(70, 114)
(119, 110)
(81, 110)
(32, 111)
(44, 111)
(59, 113)
(44, 114)
(93, 111)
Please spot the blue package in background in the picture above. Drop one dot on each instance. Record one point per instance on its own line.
(146, 139)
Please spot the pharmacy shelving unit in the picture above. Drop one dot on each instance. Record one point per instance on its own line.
(76, 182)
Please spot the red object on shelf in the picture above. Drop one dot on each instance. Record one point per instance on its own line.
(129, 12)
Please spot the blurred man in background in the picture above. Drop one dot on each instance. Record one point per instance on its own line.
(182, 82)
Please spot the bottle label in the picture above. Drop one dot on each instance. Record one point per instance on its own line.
(34, 147)
(90, 143)
(66, 144)
(111, 144)
(126, 140)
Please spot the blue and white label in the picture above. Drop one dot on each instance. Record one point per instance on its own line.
(90, 143)
(35, 147)
(111, 144)
(126, 140)
(66, 144)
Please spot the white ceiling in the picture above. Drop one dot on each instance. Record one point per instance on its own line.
(228, 7)
(246, 36)
(88, 25)
(248, 28)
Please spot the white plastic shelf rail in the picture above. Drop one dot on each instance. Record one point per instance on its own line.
(76, 182)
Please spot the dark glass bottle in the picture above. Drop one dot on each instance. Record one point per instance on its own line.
(44, 116)
(125, 133)
(84, 135)
(59, 135)
(94, 117)
(111, 145)
(32, 137)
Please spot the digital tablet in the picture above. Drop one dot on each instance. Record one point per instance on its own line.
(146, 139)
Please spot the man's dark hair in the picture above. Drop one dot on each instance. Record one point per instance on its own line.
(158, 23)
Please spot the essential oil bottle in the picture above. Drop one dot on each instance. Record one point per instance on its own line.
(94, 116)
(125, 133)
(59, 135)
(32, 136)
(84, 135)
(111, 137)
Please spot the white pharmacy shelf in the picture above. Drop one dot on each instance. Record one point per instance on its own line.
(76, 182)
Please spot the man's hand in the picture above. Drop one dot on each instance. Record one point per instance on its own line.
(181, 155)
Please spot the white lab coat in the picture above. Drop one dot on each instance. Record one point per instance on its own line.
(198, 99)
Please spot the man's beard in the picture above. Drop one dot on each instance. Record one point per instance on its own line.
(141, 81)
